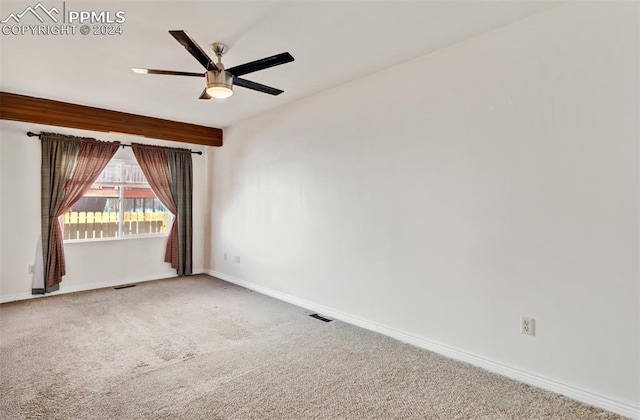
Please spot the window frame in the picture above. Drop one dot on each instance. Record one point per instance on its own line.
(121, 192)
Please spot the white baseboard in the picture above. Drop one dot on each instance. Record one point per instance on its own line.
(625, 408)
(96, 285)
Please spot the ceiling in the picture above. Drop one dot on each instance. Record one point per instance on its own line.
(333, 42)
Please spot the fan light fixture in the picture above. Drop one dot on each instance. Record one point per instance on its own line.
(219, 84)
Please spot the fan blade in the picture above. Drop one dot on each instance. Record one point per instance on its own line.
(204, 95)
(262, 64)
(167, 72)
(256, 86)
(194, 49)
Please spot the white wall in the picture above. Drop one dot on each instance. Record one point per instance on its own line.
(89, 264)
(446, 197)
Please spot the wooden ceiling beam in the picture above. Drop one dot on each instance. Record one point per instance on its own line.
(63, 114)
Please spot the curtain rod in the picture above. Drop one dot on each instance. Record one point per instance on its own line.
(31, 134)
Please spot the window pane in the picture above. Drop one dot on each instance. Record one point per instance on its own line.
(119, 204)
(99, 219)
(140, 214)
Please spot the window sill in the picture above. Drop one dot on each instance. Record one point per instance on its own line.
(126, 238)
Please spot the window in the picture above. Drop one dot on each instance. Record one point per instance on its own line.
(119, 204)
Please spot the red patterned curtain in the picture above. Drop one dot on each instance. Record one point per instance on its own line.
(154, 165)
(69, 166)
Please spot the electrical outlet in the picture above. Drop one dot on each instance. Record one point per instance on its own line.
(527, 326)
(225, 256)
(237, 259)
(31, 268)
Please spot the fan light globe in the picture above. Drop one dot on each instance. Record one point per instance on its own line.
(219, 92)
(219, 84)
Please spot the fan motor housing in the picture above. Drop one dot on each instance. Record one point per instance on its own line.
(219, 80)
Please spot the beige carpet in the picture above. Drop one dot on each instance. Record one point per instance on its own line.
(200, 348)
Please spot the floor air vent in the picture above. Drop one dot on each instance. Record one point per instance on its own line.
(320, 317)
(124, 287)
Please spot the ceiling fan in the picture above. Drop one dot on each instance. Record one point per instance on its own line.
(220, 81)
